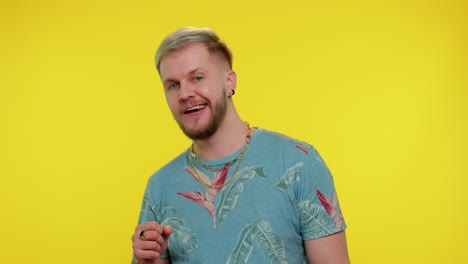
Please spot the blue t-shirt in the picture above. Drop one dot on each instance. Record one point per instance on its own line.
(282, 194)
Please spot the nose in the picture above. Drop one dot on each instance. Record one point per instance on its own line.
(186, 91)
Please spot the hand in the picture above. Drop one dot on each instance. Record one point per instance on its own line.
(149, 247)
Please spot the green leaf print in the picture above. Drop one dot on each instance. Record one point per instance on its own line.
(182, 240)
(260, 171)
(232, 192)
(243, 249)
(262, 233)
(269, 244)
(292, 175)
(315, 220)
(162, 211)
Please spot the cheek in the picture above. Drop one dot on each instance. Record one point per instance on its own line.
(171, 101)
(212, 89)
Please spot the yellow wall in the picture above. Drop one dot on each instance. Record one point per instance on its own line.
(379, 88)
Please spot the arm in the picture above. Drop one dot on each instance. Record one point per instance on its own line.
(329, 249)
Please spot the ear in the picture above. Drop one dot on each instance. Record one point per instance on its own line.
(231, 82)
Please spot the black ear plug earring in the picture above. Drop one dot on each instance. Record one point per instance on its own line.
(232, 92)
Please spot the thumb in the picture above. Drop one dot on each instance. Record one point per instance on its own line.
(167, 231)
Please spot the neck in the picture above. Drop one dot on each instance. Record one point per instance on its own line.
(230, 137)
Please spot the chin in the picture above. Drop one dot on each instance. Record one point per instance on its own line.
(200, 133)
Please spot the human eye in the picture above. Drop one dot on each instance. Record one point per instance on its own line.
(198, 78)
(174, 85)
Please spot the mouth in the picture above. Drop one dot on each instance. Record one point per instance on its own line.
(194, 109)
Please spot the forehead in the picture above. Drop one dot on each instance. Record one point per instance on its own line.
(187, 59)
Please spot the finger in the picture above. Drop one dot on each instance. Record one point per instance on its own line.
(140, 235)
(145, 254)
(147, 245)
(152, 236)
(167, 231)
(152, 225)
(144, 228)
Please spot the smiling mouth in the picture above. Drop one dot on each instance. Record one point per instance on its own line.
(194, 109)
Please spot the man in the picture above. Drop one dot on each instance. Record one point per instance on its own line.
(238, 194)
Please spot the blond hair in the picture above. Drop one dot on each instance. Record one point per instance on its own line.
(179, 39)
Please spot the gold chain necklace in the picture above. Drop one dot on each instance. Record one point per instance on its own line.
(212, 169)
(240, 157)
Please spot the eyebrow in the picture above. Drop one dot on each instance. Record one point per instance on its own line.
(171, 80)
(167, 81)
(195, 70)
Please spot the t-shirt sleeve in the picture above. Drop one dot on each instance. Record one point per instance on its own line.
(317, 201)
(146, 212)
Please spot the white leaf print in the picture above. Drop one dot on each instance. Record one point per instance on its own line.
(232, 191)
(315, 220)
(162, 211)
(182, 240)
(290, 176)
(243, 249)
(260, 231)
(269, 244)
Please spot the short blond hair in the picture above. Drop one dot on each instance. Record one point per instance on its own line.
(179, 39)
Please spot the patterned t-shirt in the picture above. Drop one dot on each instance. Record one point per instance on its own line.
(282, 194)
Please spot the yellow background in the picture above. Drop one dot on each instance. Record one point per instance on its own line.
(379, 87)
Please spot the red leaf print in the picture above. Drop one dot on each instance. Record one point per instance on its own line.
(219, 179)
(194, 174)
(206, 200)
(324, 200)
(304, 149)
(200, 199)
(330, 207)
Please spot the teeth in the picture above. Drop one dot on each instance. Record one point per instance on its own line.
(197, 107)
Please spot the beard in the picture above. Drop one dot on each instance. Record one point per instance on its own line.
(215, 120)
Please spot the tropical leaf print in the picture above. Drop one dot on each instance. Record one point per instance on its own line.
(269, 244)
(200, 174)
(200, 199)
(330, 206)
(315, 219)
(206, 200)
(262, 233)
(162, 211)
(260, 171)
(243, 249)
(218, 179)
(292, 175)
(303, 146)
(232, 191)
(182, 240)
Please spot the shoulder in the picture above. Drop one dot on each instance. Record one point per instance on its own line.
(169, 168)
(286, 151)
(275, 141)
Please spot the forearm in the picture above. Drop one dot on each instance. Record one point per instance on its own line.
(330, 249)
